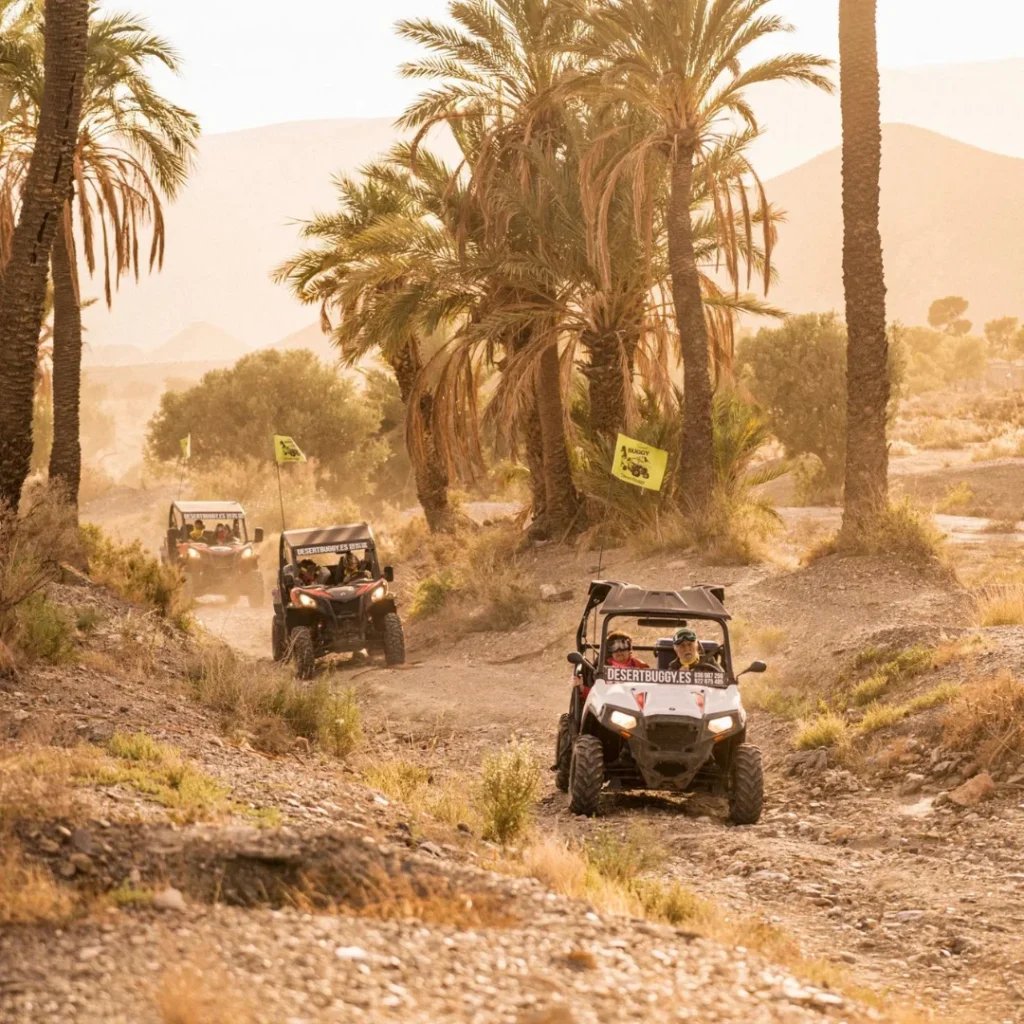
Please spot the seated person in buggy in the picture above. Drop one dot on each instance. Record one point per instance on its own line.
(198, 532)
(313, 575)
(690, 653)
(620, 651)
(350, 569)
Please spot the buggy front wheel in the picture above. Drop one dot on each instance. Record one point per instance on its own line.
(303, 653)
(278, 640)
(394, 640)
(746, 785)
(586, 775)
(563, 753)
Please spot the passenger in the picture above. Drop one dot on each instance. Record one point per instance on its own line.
(198, 531)
(223, 533)
(620, 652)
(690, 655)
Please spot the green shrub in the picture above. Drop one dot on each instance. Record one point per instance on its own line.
(133, 574)
(623, 860)
(432, 593)
(508, 790)
(43, 631)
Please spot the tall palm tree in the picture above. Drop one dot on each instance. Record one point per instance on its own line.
(502, 61)
(679, 62)
(867, 378)
(45, 190)
(334, 274)
(134, 150)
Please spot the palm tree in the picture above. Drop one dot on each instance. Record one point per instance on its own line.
(502, 61)
(134, 148)
(335, 275)
(678, 62)
(867, 378)
(45, 190)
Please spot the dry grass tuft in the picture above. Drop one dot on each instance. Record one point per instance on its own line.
(827, 730)
(39, 783)
(902, 531)
(28, 893)
(1004, 607)
(987, 718)
(250, 693)
(188, 995)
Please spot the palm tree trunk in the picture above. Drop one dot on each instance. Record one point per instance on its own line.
(534, 448)
(562, 508)
(47, 185)
(867, 375)
(609, 373)
(429, 468)
(66, 453)
(696, 460)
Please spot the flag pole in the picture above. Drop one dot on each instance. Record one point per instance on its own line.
(181, 479)
(607, 505)
(280, 493)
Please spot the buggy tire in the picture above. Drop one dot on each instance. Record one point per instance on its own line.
(563, 753)
(303, 653)
(746, 785)
(254, 589)
(586, 775)
(394, 640)
(278, 640)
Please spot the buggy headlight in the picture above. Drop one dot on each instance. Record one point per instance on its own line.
(193, 553)
(378, 593)
(247, 552)
(717, 725)
(306, 601)
(622, 720)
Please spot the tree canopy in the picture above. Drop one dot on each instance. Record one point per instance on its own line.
(233, 414)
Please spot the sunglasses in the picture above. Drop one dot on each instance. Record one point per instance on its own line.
(620, 645)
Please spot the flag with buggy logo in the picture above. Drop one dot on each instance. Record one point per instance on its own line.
(186, 448)
(286, 450)
(639, 464)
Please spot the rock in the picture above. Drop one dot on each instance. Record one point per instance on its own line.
(805, 762)
(973, 791)
(89, 953)
(67, 869)
(463, 827)
(906, 916)
(82, 841)
(20, 715)
(82, 863)
(431, 848)
(350, 953)
(170, 899)
(49, 846)
(912, 783)
(550, 592)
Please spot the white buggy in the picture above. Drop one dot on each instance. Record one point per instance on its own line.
(657, 728)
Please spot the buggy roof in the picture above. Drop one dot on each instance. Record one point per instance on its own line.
(626, 599)
(327, 539)
(211, 509)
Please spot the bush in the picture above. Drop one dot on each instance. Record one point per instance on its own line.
(508, 790)
(43, 631)
(797, 374)
(987, 718)
(133, 574)
(901, 531)
(1003, 607)
(234, 413)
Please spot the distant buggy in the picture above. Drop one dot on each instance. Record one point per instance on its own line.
(656, 728)
(332, 596)
(218, 558)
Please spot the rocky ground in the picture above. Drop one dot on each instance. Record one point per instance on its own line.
(310, 896)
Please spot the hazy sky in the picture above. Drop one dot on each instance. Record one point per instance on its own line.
(255, 62)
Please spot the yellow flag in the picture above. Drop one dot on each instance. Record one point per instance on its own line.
(186, 447)
(639, 464)
(286, 450)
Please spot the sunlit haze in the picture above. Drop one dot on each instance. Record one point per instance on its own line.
(339, 58)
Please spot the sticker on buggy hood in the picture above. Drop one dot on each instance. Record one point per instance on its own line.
(649, 676)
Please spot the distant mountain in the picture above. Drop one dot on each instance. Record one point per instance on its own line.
(310, 337)
(197, 343)
(952, 220)
(237, 218)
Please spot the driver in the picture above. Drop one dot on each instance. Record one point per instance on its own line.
(311, 574)
(689, 654)
(223, 534)
(620, 651)
(351, 567)
(198, 530)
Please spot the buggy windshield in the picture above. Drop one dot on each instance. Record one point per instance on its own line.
(218, 528)
(651, 640)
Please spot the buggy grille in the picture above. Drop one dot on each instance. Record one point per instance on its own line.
(678, 735)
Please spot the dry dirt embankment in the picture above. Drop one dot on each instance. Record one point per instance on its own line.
(159, 867)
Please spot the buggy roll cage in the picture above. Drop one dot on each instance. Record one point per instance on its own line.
(612, 600)
(326, 540)
(189, 511)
